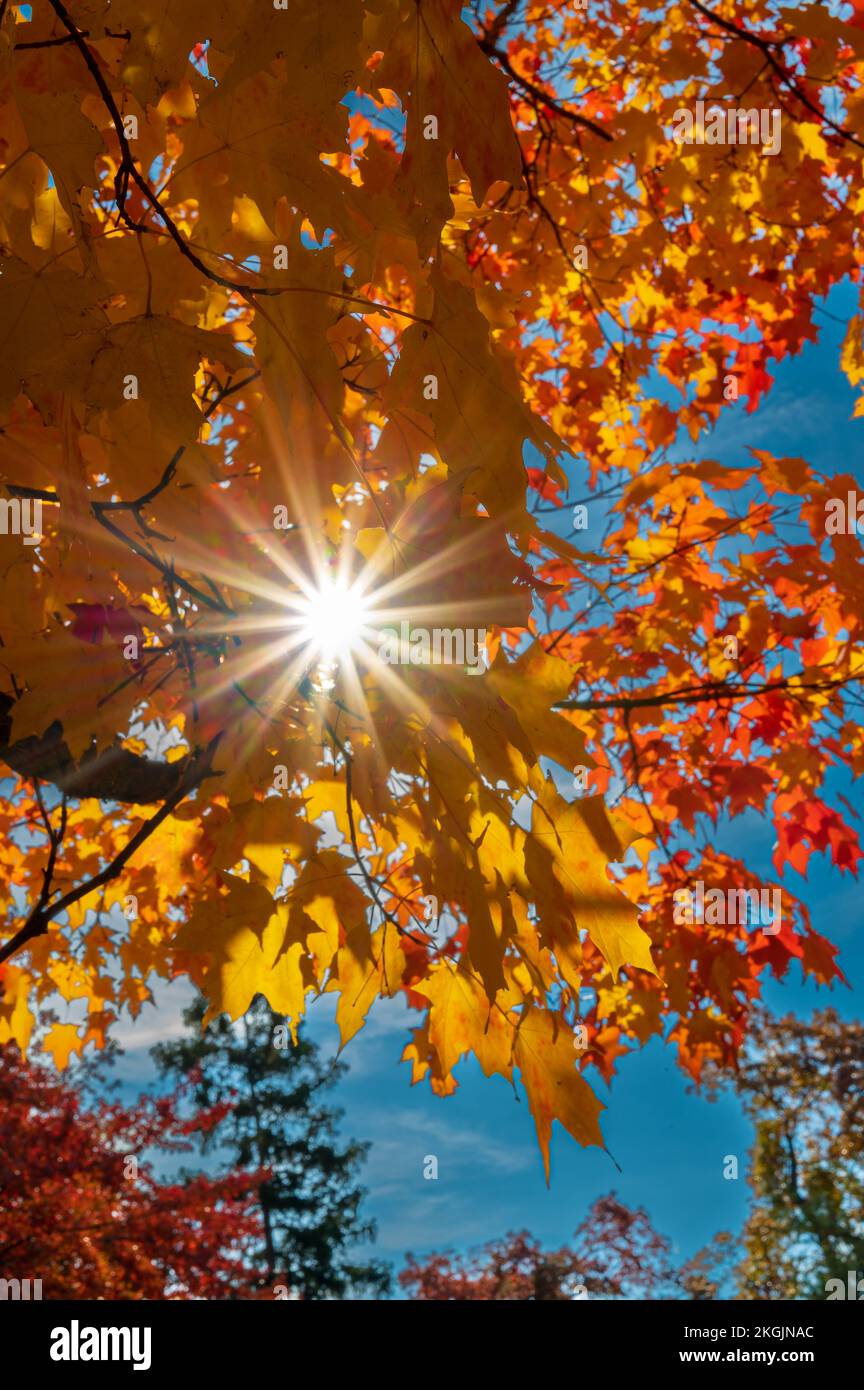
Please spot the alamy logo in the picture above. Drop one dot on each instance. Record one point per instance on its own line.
(844, 517)
(719, 907)
(76, 1343)
(852, 1289)
(21, 516)
(19, 1289)
(728, 126)
(422, 646)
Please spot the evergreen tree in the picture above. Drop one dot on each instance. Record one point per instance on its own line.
(310, 1199)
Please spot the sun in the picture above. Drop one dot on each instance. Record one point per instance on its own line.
(334, 619)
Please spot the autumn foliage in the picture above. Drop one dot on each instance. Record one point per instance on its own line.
(260, 330)
(84, 1210)
(615, 1253)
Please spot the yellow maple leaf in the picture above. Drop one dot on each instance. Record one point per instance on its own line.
(566, 855)
(556, 1090)
(62, 1041)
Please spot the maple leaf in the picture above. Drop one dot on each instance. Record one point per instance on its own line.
(431, 57)
(240, 933)
(556, 1090)
(62, 1042)
(566, 854)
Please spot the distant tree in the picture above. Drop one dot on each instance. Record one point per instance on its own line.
(616, 1253)
(82, 1209)
(802, 1084)
(708, 1274)
(309, 1197)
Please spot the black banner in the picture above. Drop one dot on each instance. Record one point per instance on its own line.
(230, 1339)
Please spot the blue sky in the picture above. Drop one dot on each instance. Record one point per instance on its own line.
(668, 1140)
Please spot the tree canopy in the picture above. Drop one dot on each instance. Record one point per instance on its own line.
(86, 1211)
(303, 301)
(615, 1253)
(801, 1084)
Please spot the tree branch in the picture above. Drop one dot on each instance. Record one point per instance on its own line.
(767, 47)
(198, 767)
(114, 774)
(545, 98)
(711, 690)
